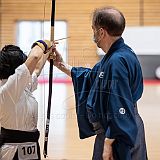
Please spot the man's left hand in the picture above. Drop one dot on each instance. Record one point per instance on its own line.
(107, 151)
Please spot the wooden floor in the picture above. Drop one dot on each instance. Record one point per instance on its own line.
(64, 142)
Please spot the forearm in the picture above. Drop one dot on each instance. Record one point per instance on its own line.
(33, 58)
(41, 64)
(65, 68)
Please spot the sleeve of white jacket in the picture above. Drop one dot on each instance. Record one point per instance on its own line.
(16, 84)
(32, 86)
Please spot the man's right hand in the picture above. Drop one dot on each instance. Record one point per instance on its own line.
(59, 62)
(57, 58)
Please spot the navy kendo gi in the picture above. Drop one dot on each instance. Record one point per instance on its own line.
(106, 95)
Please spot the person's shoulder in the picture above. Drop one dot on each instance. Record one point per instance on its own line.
(116, 58)
(22, 68)
(97, 65)
(124, 53)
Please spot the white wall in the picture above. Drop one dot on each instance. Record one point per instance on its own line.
(143, 40)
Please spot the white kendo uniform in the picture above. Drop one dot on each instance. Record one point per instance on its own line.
(18, 108)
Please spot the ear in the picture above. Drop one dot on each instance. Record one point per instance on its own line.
(106, 33)
(102, 32)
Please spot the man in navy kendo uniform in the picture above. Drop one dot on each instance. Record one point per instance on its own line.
(106, 95)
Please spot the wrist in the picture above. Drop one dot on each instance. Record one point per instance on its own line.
(60, 65)
(63, 65)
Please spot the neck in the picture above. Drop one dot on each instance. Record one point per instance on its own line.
(108, 43)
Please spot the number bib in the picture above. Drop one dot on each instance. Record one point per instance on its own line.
(27, 151)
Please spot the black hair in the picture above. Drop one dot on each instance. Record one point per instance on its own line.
(110, 19)
(11, 57)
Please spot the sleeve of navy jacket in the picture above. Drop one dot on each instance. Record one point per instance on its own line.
(80, 78)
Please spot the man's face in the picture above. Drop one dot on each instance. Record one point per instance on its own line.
(96, 35)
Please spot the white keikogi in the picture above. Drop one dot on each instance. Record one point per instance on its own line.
(18, 111)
